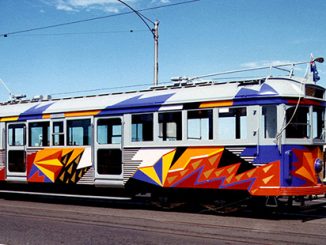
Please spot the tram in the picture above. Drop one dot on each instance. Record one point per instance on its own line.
(264, 137)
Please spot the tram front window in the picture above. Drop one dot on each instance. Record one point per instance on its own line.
(318, 122)
(299, 122)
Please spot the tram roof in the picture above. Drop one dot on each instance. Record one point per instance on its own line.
(175, 94)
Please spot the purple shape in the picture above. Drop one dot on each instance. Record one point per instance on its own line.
(137, 104)
(158, 169)
(267, 90)
(34, 112)
(143, 177)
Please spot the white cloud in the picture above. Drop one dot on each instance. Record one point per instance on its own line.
(112, 6)
(266, 63)
(256, 64)
(161, 1)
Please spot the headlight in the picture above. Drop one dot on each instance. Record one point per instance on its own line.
(318, 165)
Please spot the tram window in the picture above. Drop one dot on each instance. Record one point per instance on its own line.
(39, 134)
(79, 132)
(16, 134)
(299, 126)
(16, 160)
(200, 125)
(170, 126)
(58, 133)
(109, 161)
(318, 122)
(232, 123)
(109, 131)
(269, 121)
(142, 127)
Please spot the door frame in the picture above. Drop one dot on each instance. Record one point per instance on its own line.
(107, 179)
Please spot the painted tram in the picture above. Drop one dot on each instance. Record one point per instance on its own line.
(264, 137)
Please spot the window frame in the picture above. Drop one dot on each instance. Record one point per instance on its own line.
(24, 134)
(64, 133)
(28, 143)
(91, 137)
(211, 126)
(218, 124)
(153, 138)
(179, 128)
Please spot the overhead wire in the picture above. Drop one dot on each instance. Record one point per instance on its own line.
(92, 19)
(78, 33)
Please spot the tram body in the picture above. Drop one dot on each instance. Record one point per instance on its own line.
(265, 137)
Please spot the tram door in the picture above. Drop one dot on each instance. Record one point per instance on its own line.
(16, 151)
(108, 151)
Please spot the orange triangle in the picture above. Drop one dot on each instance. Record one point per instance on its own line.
(267, 179)
(196, 164)
(212, 160)
(208, 173)
(239, 176)
(228, 180)
(171, 179)
(304, 173)
(251, 172)
(182, 173)
(218, 172)
(230, 170)
(267, 168)
(48, 154)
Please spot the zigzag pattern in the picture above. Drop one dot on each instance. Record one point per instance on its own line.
(208, 167)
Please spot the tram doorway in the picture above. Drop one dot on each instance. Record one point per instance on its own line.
(108, 151)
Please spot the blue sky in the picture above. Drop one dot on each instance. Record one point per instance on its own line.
(198, 38)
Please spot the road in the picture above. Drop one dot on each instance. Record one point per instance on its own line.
(28, 222)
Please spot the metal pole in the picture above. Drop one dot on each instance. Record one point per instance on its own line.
(155, 32)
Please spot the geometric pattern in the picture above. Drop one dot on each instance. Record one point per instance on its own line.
(56, 165)
(303, 167)
(217, 168)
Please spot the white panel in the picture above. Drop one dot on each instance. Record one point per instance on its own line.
(149, 157)
(86, 160)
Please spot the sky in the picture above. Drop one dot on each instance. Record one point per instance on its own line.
(196, 38)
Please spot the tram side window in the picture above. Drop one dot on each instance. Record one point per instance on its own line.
(39, 134)
(79, 132)
(318, 122)
(170, 126)
(16, 135)
(269, 121)
(142, 127)
(16, 161)
(299, 122)
(109, 131)
(200, 125)
(58, 133)
(109, 161)
(232, 123)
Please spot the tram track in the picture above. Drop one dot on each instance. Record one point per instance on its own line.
(198, 226)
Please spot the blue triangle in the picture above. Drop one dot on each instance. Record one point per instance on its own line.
(158, 169)
(143, 177)
(34, 169)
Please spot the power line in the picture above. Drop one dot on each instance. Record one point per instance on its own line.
(93, 19)
(77, 33)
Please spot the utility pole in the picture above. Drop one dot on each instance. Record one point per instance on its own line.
(154, 32)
